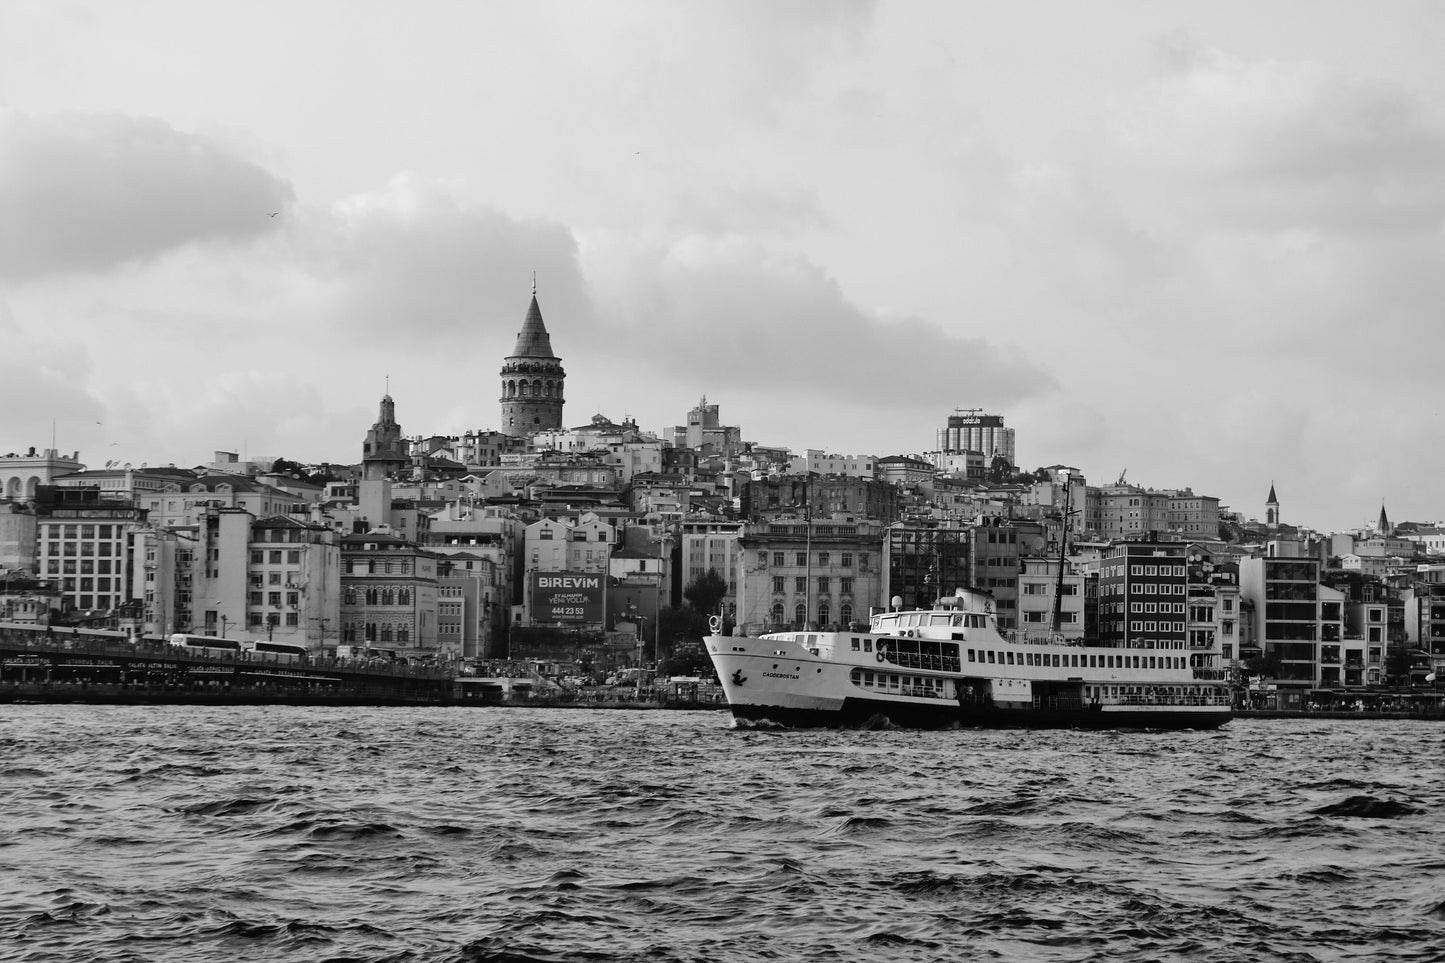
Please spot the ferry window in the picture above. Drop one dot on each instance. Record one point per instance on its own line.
(855, 642)
(958, 620)
(1010, 658)
(1093, 662)
(867, 645)
(991, 656)
(970, 655)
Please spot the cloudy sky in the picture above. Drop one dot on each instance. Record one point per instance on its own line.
(1200, 243)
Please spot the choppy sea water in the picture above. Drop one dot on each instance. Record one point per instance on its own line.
(487, 834)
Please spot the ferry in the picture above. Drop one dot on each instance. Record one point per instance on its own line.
(951, 666)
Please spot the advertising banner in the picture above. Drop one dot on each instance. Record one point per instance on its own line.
(567, 597)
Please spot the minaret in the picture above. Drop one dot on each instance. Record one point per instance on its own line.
(384, 452)
(532, 378)
(1271, 509)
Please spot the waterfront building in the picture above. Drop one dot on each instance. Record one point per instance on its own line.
(1296, 618)
(1143, 588)
(231, 574)
(82, 536)
(532, 380)
(712, 545)
(994, 553)
(799, 572)
(1045, 599)
(17, 536)
(389, 594)
(1424, 611)
(22, 475)
(922, 563)
(470, 610)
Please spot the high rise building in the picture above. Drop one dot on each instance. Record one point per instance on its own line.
(969, 429)
(532, 379)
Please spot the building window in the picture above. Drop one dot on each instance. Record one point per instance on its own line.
(800, 614)
(800, 583)
(777, 584)
(778, 559)
(802, 559)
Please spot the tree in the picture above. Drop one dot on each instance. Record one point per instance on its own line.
(706, 592)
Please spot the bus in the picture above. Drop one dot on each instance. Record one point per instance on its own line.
(206, 645)
(275, 651)
(366, 653)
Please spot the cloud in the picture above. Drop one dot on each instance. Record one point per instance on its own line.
(780, 323)
(414, 257)
(85, 192)
(1271, 145)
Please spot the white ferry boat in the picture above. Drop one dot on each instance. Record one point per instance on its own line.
(950, 666)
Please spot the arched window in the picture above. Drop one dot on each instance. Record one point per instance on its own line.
(350, 595)
(823, 613)
(800, 615)
(845, 613)
(371, 596)
(403, 597)
(524, 389)
(386, 633)
(547, 389)
(777, 614)
(403, 634)
(371, 631)
(388, 596)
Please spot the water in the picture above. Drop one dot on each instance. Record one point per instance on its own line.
(472, 834)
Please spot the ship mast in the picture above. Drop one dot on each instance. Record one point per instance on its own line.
(1063, 551)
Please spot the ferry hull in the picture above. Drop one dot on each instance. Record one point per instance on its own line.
(870, 713)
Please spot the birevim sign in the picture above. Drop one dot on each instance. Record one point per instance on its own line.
(567, 597)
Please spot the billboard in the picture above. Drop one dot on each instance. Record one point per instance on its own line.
(567, 596)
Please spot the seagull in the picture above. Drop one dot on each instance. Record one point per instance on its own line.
(274, 213)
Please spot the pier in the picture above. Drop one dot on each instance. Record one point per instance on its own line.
(44, 664)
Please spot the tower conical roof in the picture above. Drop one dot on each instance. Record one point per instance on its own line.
(533, 340)
(1271, 500)
(1383, 525)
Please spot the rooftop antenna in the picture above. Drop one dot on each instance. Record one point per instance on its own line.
(534, 284)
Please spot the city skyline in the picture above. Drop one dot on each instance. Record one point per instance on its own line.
(1194, 245)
